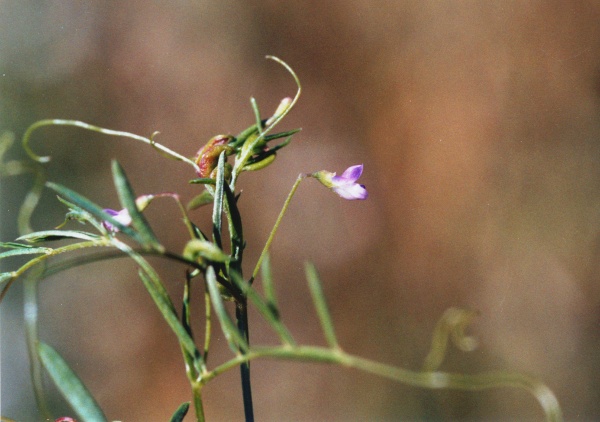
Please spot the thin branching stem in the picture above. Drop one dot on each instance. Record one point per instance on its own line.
(61, 122)
(429, 380)
(286, 204)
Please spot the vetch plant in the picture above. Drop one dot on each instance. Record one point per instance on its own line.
(214, 264)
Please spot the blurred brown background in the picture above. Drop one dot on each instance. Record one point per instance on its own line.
(478, 125)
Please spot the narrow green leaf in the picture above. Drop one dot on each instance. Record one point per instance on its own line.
(203, 181)
(180, 412)
(15, 245)
(162, 300)
(256, 112)
(316, 291)
(271, 315)
(218, 202)
(197, 232)
(267, 282)
(127, 199)
(280, 135)
(165, 306)
(244, 135)
(186, 313)
(70, 385)
(232, 334)
(52, 235)
(204, 198)
(261, 161)
(235, 224)
(93, 209)
(30, 251)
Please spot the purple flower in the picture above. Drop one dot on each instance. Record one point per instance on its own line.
(344, 185)
(122, 217)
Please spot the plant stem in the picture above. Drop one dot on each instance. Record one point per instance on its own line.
(31, 329)
(241, 312)
(424, 379)
(286, 204)
(196, 388)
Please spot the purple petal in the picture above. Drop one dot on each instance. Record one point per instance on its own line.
(352, 173)
(110, 212)
(122, 217)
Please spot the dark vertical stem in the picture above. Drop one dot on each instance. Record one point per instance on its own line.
(241, 312)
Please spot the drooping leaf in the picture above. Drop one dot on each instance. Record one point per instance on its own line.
(161, 298)
(52, 235)
(71, 387)
(127, 198)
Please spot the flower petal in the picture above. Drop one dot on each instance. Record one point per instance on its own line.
(351, 191)
(353, 173)
(122, 217)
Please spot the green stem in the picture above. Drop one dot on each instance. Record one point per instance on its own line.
(286, 204)
(207, 325)
(430, 380)
(51, 252)
(31, 329)
(242, 319)
(199, 408)
(61, 122)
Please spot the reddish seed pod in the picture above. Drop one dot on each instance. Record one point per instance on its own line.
(208, 156)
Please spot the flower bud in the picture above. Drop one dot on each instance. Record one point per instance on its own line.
(283, 107)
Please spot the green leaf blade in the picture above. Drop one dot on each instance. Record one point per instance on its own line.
(234, 337)
(218, 201)
(127, 199)
(180, 412)
(316, 291)
(71, 387)
(92, 208)
(53, 235)
(165, 306)
(16, 249)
